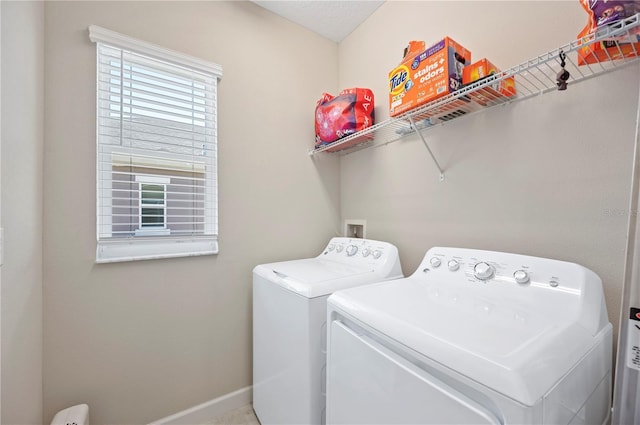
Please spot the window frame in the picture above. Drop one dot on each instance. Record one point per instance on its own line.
(154, 243)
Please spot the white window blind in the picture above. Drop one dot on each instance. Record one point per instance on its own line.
(156, 151)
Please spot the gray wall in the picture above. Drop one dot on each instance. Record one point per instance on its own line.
(549, 176)
(141, 340)
(22, 144)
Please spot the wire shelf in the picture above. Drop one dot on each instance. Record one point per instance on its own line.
(533, 77)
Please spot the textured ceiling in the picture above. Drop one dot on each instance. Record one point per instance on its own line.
(331, 19)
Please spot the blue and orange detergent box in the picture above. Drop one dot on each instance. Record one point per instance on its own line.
(426, 74)
(492, 92)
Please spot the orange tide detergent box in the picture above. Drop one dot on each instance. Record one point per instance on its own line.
(426, 74)
(500, 89)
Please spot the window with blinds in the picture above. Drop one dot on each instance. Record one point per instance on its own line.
(156, 151)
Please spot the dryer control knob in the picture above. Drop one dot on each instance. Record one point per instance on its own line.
(453, 265)
(435, 262)
(377, 254)
(366, 252)
(483, 271)
(331, 247)
(351, 250)
(339, 248)
(521, 276)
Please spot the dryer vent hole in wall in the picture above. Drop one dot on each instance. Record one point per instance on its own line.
(355, 231)
(355, 228)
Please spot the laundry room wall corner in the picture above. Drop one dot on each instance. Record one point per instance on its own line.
(22, 185)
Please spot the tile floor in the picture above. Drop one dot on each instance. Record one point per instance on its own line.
(241, 416)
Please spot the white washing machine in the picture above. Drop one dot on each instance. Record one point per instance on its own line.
(472, 337)
(289, 324)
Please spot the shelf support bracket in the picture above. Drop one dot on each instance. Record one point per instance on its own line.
(424, 141)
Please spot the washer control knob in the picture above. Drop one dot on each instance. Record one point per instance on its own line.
(553, 283)
(453, 265)
(331, 247)
(377, 254)
(339, 248)
(351, 250)
(521, 276)
(366, 252)
(435, 262)
(483, 271)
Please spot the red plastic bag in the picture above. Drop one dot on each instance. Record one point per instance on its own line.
(345, 114)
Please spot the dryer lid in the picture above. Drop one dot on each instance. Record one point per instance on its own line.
(315, 277)
(519, 354)
(518, 339)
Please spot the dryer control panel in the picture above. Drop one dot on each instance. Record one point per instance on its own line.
(359, 251)
(560, 288)
(489, 266)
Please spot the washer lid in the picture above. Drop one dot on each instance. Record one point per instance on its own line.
(520, 350)
(316, 277)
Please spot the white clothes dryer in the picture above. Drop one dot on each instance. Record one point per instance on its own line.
(289, 324)
(472, 337)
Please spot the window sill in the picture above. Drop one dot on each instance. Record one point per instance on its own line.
(136, 249)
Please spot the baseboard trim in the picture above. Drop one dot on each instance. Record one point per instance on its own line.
(204, 413)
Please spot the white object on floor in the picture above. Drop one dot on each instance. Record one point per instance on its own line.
(472, 337)
(289, 324)
(75, 415)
